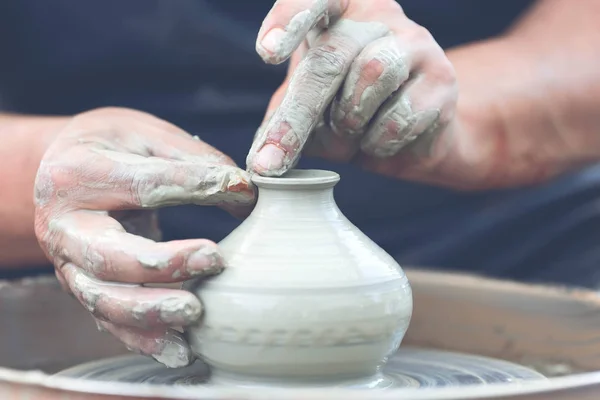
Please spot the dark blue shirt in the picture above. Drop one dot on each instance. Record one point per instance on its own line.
(193, 63)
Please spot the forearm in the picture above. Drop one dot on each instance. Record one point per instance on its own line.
(24, 140)
(537, 87)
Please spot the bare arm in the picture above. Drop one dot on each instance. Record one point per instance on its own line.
(24, 140)
(529, 101)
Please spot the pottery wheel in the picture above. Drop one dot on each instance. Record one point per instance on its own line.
(410, 367)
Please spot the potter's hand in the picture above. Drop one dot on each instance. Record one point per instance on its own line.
(393, 83)
(94, 192)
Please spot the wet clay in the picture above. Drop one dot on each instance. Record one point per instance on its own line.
(409, 368)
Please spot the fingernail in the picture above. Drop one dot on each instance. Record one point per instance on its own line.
(205, 261)
(272, 40)
(269, 158)
(177, 311)
(174, 355)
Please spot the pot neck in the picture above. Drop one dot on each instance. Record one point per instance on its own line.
(297, 204)
(299, 194)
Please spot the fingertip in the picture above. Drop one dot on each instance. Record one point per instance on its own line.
(271, 47)
(180, 311)
(167, 346)
(205, 261)
(174, 352)
(269, 160)
(287, 24)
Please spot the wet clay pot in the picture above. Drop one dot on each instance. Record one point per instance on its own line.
(307, 298)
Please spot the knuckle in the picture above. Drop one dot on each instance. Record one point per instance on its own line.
(104, 112)
(44, 237)
(393, 130)
(372, 70)
(447, 114)
(49, 235)
(419, 34)
(47, 241)
(389, 135)
(43, 186)
(136, 189)
(443, 72)
(58, 177)
(346, 122)
(326, 62)
(48, 182)
(95, 261)
(62, 175)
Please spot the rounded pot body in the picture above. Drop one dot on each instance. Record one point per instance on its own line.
(306, 295)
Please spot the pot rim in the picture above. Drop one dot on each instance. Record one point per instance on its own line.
(298, 179)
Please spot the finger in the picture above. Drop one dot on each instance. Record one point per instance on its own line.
(100, 246)
(279, 94)
(132, 305)
(374, 76)
(314, 83)
(100, 179)
(164, 345)
(421, 108)
(289, 21)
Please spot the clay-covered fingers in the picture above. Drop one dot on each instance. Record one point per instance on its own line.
(112, 159)
(94, 178)
(376, 79)
(288, 23)
(144, 319)
(132, 305)
(314, 83)
(414, 115)
(421, 107)
(166, 346)
(95, 194)
(378, 71)
(100, 246)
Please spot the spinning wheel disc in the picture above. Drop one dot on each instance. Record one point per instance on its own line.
(410, 367)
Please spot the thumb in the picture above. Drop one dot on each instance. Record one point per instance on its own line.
(288, 23)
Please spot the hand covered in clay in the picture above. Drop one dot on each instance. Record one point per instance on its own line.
(95, 192)
(365, 84)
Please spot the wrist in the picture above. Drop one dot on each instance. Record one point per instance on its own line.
(25, 140)
(33, 133)
(540, 120)
(495, 81)
(539, 85)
